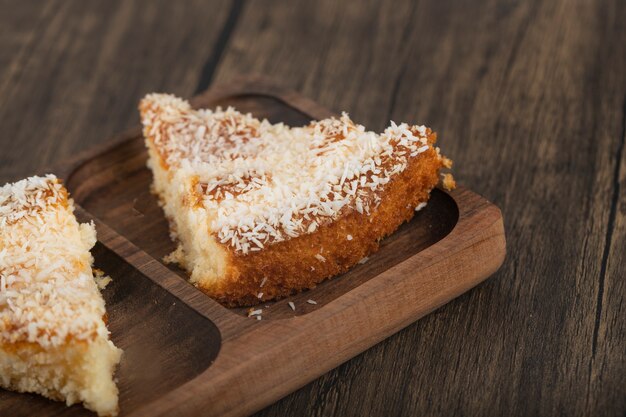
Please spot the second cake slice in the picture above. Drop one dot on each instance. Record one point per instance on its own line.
(53, 338)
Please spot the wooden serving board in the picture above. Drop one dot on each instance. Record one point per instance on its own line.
(187, 355)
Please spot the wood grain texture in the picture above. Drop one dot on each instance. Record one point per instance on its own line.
(528, 98)
(452, 245)
(73, 71)
(446, 249)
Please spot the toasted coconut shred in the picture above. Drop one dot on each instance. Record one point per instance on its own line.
(46, 281)
(266, 191)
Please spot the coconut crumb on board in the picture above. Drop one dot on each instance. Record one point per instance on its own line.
(448, 182)
(175, 257)
(252, 312)
(101, 279)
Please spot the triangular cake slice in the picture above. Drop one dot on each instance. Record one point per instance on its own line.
(53, 338)
(263, 210)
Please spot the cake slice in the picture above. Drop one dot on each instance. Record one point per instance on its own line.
(262, 210)
(53, 338)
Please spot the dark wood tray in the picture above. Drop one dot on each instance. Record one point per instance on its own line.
(185, 354)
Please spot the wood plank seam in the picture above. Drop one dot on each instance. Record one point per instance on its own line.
(609, 231)
(403, 65)
(208, 70)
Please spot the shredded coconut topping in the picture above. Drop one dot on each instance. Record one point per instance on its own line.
(263, 183)
(47, 290)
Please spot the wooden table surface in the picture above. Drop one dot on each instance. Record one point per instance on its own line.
(528, 97)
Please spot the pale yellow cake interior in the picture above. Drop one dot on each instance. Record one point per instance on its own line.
(53, 338)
